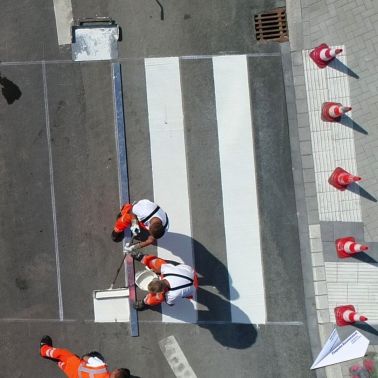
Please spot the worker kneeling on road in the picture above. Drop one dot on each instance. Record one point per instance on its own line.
(175, 282)
(142, 214)
(91, 365)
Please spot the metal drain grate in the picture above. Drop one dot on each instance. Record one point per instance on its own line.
(271, 25)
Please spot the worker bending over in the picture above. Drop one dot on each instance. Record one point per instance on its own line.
(91, 365)
(175, 282)
(142, 214)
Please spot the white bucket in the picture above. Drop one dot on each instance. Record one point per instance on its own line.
(143, 278)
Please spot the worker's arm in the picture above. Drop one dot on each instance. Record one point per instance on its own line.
(150, 240)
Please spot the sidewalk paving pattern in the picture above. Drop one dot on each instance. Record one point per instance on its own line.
(352, 78)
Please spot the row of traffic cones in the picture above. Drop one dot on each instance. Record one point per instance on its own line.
(340, 179)
(322, 56)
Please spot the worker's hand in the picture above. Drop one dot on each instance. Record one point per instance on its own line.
(135, 230)
(128, 248)
(139, 304)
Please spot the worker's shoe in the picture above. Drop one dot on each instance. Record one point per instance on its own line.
(46, 340)
(117, 236)
(139, 304)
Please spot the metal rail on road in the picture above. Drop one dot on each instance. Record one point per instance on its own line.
(123, 180)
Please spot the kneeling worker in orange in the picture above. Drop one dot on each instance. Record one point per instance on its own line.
(176, 281)
(142, 214)
(91, 365)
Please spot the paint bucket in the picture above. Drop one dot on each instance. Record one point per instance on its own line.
(143, 278)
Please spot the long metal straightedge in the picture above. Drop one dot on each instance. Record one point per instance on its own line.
(123, 180)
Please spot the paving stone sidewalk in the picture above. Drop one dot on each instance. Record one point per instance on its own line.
(352, 24)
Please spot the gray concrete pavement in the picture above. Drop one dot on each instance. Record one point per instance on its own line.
(78, 101)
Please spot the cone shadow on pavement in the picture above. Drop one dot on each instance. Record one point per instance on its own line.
(349, 122)
(366, 327)
(357, 189)
(340, 66)
(364, 257)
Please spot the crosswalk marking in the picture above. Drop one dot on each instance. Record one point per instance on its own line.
(166, 124)
(63, 19)
(239, 188)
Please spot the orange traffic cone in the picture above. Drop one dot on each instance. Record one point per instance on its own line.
(347, 315)
(323, 55)
(333, 111)
(340, 179)
(347, 247)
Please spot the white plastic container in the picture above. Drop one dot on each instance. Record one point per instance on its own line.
(143, 278)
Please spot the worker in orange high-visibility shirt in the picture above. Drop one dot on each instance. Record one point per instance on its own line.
(142, 214)
(176, 281)
(91, 365)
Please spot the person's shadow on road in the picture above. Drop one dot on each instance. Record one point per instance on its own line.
(214, 308)
(10, 90)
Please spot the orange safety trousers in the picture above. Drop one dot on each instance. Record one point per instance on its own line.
(155, 263)
(72, 365)
(125, 219)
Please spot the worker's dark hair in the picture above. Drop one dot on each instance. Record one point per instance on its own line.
(122, 373)
(156, 286)
(156, 229)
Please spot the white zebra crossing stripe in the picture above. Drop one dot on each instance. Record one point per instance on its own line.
(63, 19)
(176, 358)
(166, 125)
(240, 205)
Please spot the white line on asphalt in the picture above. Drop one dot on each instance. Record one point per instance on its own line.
(51, 170)
(237, 166)
(69, 61)
(285, 323)
(176, 358)
(41, 320)
(251, 55)
(63, 20)
(169, 171)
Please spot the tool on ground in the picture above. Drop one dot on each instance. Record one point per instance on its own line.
(112, 305)
(120, 266)
(95, 39)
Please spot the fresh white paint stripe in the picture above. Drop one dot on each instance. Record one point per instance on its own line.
(63, 20)
(52, 190)
(237, 167)
(169, 171)
(176, 358)
(332, 143)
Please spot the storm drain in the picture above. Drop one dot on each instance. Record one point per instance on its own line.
(272, 25)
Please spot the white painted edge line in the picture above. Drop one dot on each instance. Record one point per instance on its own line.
(63, 20)
(52, 190)
(176, 358)
(240, 202)
(168, 157)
